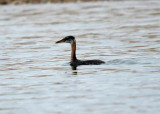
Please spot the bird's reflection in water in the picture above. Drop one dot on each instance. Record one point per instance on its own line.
(74, 68)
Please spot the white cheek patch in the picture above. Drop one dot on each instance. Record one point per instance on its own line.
(67, 41)
(73, 41)
(70, 41)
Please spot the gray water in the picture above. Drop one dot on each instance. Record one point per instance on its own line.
(35, 77)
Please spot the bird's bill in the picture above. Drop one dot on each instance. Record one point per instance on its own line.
(60, 41)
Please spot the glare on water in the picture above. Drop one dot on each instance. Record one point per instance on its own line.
(34, 72)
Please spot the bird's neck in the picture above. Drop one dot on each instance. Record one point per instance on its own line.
(73, 53)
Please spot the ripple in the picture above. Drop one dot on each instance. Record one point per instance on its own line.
(35, 72)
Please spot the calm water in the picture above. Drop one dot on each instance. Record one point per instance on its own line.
(35, 77)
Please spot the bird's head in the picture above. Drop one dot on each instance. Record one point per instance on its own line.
(67, 39)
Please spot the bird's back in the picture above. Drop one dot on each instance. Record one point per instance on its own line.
(86, 62)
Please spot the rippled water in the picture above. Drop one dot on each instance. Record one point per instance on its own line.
(34, 72)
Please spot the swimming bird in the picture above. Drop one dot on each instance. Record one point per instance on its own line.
(74, 61)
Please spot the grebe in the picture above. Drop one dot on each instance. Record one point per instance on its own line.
(74, 61)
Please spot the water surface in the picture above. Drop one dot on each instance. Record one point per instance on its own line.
(34, 72)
